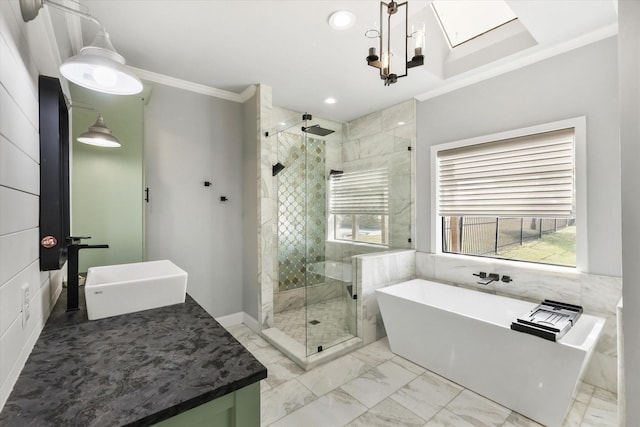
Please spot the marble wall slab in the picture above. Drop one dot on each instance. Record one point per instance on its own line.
(373, 271)
(267, 258)
(385, 139)
(598, 295)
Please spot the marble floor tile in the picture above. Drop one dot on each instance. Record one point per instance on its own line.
(575, 415)
(427, 394)
(268, 355)
(375, 353)
(280, 369)
(264, 386)
(387, 413)
(408, 365)
(445, 418)
(332, 375)
(247, 337)
(584, 392)
(602, 410)
(397, 391)
(334, 409)
(517, 420)
(283, 400)
(478, 410)
(378, 383)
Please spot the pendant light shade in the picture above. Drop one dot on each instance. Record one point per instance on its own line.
(99, 67)
(100, 135)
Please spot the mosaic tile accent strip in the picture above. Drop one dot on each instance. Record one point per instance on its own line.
(302, 210)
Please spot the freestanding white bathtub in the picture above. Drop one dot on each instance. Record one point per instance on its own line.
(465, 336)
(126, 288)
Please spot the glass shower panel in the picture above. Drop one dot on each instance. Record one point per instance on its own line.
(313, 300)
(401, 178)
(288, 297)
(330, 310)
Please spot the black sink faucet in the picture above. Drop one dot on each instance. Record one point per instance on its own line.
(73, 248)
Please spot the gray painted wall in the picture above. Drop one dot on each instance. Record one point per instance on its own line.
(630, 150)
(251, 286)
(192, 138)
(583, 82)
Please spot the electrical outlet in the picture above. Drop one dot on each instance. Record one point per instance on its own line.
(26, 310)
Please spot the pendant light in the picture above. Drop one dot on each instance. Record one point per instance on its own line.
(99, 135)
(98, 66)
(383, 62)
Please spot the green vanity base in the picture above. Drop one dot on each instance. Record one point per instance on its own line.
(238, 409)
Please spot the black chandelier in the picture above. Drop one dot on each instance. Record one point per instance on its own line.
(383, 62)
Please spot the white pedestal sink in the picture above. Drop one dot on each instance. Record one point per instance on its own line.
(126, 288)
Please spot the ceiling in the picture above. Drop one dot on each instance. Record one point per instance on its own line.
(289, 46)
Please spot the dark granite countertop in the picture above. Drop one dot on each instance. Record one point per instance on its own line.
(135, 369)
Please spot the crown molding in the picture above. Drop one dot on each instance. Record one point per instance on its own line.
(456, 83)
(194, 87)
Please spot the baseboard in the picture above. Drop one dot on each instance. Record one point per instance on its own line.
(237, 319)
(251, 323)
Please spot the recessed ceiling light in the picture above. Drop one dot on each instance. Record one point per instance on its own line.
(330, 101)
(341, 20)
(282, 123)
(400, 123)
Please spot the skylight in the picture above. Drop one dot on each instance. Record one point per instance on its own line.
(465, 20)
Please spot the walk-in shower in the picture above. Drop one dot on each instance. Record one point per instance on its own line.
(311, 299)
(332, 193)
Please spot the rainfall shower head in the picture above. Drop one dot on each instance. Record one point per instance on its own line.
(317, 130)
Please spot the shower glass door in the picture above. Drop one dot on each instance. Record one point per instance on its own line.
(313, 301)
(330, 310)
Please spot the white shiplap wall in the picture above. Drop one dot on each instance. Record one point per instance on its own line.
(25, 52)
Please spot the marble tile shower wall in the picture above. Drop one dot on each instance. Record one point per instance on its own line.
(386, 139)
(267, 227)
(374, 271)
(599, 296)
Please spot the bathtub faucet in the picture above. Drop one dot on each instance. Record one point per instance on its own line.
(485, 278)
(73, 248)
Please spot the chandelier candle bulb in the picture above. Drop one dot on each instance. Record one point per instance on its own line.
(385, 63)
(373, 56)
(418, 41)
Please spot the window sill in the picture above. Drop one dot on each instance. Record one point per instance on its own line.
(524, 265)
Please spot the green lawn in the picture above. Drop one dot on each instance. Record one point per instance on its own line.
(555, 248)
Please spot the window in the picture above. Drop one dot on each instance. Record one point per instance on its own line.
(512, 198)
(360, 205)
(465, 20)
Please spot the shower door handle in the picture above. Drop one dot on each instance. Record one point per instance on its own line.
(146, 194)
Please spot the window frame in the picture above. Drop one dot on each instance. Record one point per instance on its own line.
(580, 162)
(384, 231)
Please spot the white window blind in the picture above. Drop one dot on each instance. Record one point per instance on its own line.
(362, 192)
(531, 176)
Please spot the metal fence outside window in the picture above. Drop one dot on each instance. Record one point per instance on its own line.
(487, 235)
